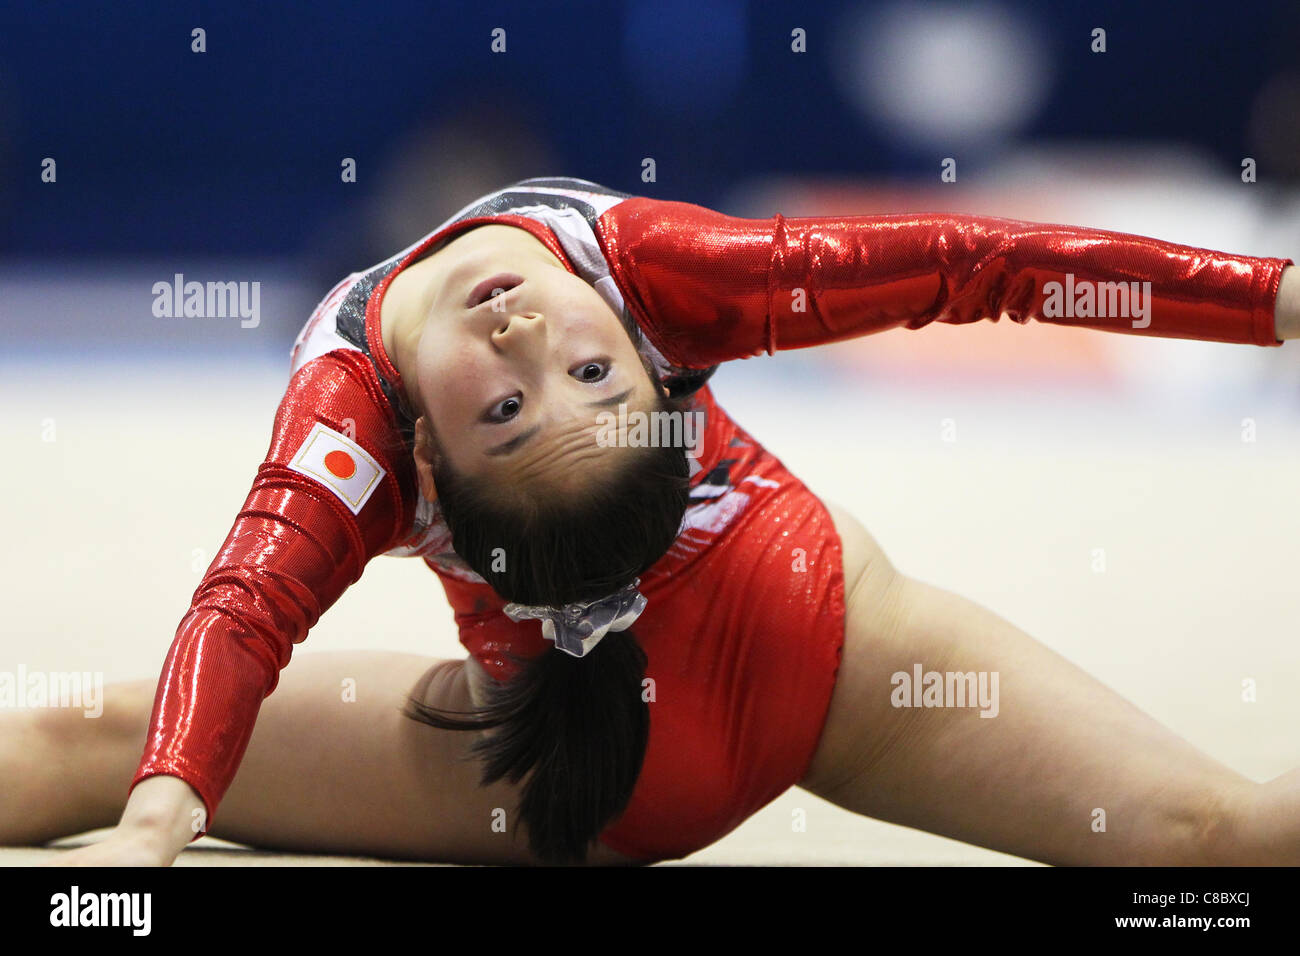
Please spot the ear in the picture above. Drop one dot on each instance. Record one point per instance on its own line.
(426, 457)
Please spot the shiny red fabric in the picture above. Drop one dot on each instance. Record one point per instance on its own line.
(294, 549)
(711, 287)
(729, 629)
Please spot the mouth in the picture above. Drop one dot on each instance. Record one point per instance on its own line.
(502, 282)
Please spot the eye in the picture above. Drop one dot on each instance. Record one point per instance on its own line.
(504, 410)
(591, 371)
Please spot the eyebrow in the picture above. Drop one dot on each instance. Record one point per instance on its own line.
(613, 400)
(506, 447)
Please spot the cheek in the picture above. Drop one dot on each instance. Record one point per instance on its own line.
(594, 324)
(451, 413)
(447, 382)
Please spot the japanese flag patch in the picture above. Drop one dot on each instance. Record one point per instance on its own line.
(340, 464)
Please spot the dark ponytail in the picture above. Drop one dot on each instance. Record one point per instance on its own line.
(576, 728)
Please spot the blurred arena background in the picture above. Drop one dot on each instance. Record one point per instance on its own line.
(131, 440)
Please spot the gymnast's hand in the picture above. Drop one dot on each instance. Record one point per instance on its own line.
(1286, 311)
(162, 816)
(119, 848)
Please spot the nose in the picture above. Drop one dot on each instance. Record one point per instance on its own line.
(521, 330)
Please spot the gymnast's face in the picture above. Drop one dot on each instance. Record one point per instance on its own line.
(511, 357)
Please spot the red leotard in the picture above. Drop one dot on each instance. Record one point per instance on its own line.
(745, 618)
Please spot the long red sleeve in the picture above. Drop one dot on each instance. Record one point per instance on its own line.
(710, 287)
(296, 545)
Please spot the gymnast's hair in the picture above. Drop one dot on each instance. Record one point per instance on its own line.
(576, 727)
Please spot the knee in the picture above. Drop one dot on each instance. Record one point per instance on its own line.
(1218, 825)
(445, 686)
(120, 713)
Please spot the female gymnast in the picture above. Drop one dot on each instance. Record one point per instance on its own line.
(663, 636)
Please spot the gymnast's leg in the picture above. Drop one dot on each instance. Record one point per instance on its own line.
(1030, 780)
(322, 774)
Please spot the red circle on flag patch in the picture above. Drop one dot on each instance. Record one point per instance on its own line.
(340, 464)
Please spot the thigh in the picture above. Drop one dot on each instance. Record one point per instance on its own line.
(333, 766)
(1067, 771)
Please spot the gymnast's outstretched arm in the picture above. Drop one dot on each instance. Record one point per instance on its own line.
(296, 545)
(710, 287)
